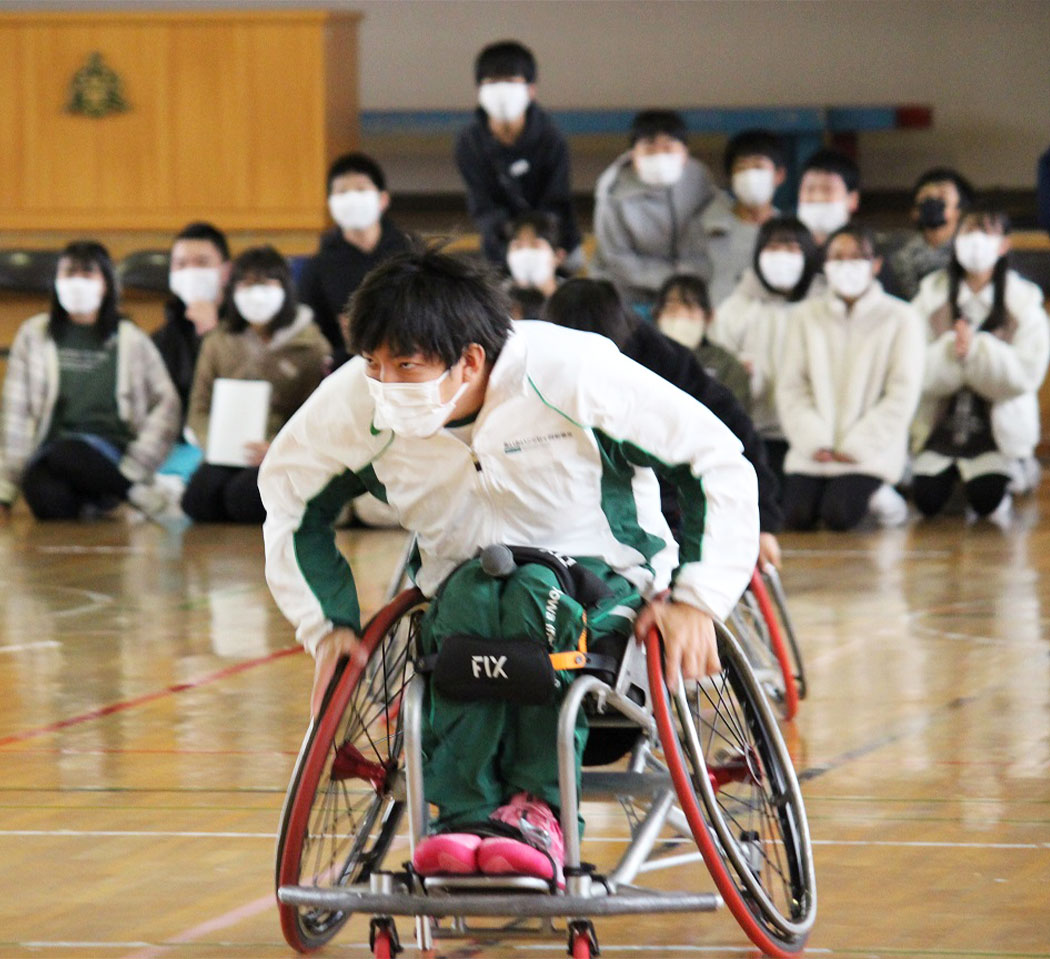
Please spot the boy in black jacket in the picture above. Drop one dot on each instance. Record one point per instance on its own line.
(512, 158)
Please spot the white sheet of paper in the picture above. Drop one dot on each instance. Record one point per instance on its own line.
(239, 409)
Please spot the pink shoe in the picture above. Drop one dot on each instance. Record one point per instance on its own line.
(541, 854)
(454, 852)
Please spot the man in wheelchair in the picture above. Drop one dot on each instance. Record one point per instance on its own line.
(480, 431)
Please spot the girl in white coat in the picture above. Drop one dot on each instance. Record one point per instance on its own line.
(847, 390)
(987, 353)
(752, 321)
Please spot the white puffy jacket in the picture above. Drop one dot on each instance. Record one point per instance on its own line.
(1008, 372)
(850, 381)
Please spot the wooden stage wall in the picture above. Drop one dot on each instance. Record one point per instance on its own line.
(231, 116)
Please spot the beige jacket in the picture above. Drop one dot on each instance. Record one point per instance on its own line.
(146, 401)
(293, 362)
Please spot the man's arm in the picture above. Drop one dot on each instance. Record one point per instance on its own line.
(639, 417)
(313, 468)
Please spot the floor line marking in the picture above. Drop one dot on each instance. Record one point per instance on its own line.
(125, 704)
(238, 914)
(23, 647)
(270, 836)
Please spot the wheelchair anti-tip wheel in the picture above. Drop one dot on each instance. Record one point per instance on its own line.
(738, 790)
(345, 800)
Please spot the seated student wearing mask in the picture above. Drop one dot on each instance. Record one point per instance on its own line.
(848, 387)
(987, 353)
(940, 196)
(89, 411)
(265, 335)
(828, 193)
(362, 238)
(753, 321)
(648, 210)
(683, 312)
(512, 157)
(754, 163)
(200, 268)
(533, 258)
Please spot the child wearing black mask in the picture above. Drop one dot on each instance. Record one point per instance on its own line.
(939, 198)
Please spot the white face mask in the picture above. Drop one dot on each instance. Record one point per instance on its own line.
(355, 209)
(781, 269)
(79, 294)
(682, 329)
(977, 252)
(823, 219)
(196, 284)
(531, 266)
(412, 409)
(504, 100)
(660, 169)
(848, 278)
(258, 303)
(754, 186)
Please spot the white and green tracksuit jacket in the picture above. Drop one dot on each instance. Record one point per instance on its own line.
(559, 457)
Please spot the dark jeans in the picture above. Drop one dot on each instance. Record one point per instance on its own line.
(983, 493)
(69, 474)
(840, 502)
(224, 494)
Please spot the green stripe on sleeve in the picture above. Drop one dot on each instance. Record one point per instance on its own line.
(324, 568)
(619, 457)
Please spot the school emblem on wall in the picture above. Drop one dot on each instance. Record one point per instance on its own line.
(96, 90)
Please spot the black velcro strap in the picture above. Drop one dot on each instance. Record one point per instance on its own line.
(471, 668)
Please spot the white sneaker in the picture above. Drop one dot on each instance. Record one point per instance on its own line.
(156, 501)
(1003, 514)
(1024, 476)
(888, 507)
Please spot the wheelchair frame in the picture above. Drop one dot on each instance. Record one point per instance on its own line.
(667, 775)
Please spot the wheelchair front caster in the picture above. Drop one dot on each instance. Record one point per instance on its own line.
(583, 941)
(382, 938)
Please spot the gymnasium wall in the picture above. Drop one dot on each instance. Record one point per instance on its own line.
(981, 65)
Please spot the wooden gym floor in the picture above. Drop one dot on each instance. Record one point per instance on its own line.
(153, 701)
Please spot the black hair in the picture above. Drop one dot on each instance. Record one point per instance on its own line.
(85, 254)
(507, 58)
(997, 317)
(263, 263)
(431, 302)
(945, 174)
(357, 163)
(689, 287)
(201, 230)
(594, 306)
(749, 143)
(864, 236)
(545, 225)
(836, 162)
(790, 229)
(528, 300)
(652, 123)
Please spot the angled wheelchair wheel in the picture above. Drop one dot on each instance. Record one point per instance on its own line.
(756, 626)
(344, 803)
(771, 579)
(738, 791)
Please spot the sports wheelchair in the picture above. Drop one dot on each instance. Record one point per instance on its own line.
(702, 774)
